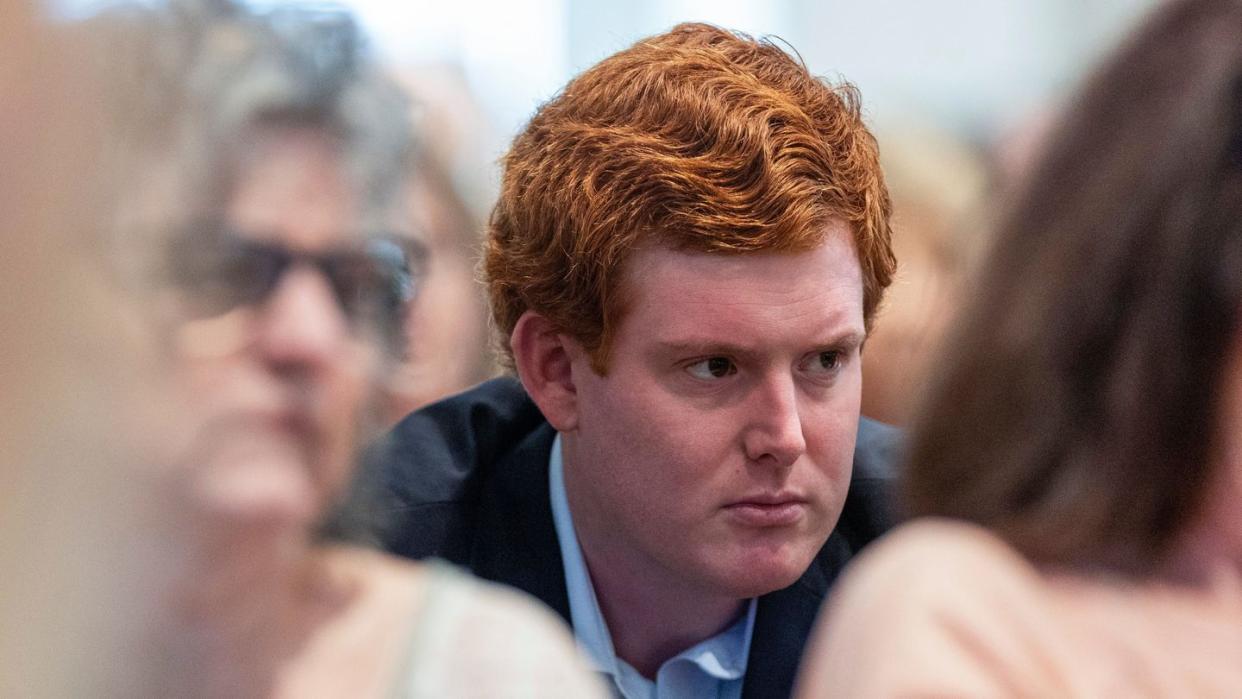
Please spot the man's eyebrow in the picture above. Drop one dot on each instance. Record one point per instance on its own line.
(847, 340)
(703, 348)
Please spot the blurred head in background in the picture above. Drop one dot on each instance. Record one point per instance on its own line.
(262, 162)
(258, 166)
(447, 347)
(938, 185)
(1089, 409)
(266, 196)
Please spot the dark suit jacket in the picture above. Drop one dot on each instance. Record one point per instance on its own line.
(466, 480)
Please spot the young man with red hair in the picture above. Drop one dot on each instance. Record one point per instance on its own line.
(690, 243)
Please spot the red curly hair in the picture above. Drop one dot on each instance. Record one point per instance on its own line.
(698, 139)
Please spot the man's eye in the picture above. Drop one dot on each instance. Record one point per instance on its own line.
(825, 362)
(712, 368)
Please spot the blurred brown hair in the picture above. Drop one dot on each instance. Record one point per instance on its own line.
(697, 139)
(1078, 410)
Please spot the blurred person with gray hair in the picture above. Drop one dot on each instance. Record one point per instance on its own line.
(448, 349)
(264, 159)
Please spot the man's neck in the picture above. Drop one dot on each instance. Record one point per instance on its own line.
(652, 613)
(650, 622)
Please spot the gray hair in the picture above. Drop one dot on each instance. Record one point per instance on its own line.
(198, 76)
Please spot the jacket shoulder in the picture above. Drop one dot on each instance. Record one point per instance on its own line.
(868, 512)
(877, 450)
(422, 481)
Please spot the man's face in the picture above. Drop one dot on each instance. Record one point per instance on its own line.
(277, 383)
(717, 451)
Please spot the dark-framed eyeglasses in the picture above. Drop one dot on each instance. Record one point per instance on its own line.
(218, 269)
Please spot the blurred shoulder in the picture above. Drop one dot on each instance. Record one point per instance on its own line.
(936, 606)
(941, 547)
(444, 632)
(934, 566)
(499, 613)
(477, 638)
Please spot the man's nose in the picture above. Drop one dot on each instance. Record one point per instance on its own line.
(301, 325)
(774, 435)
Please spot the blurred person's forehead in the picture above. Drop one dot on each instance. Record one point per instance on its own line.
(167, 190)
(293, 187)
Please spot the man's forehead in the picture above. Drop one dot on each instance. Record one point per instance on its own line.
(692, 297)
(654, 262)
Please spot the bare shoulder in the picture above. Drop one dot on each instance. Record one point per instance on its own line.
(936, 569)
(929, 554)
(935, 607)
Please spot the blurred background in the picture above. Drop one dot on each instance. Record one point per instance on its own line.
(957, 91)
(969, 65)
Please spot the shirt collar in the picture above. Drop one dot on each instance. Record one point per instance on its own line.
(722, 656)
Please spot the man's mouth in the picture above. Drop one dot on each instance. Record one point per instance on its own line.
(768, 510)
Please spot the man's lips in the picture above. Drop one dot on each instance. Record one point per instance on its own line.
(777, 510)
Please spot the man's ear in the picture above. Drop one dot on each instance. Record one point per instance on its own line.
(541, 356)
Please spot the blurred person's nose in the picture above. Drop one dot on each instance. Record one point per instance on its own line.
(301, 326)
(774, 434)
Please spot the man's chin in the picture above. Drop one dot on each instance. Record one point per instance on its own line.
(753, 575)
